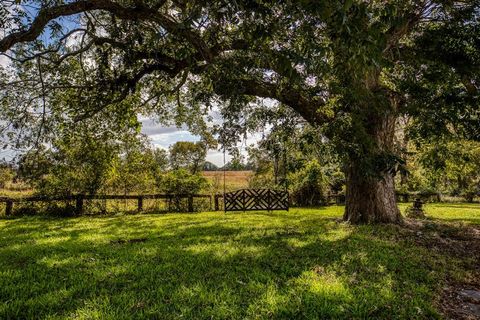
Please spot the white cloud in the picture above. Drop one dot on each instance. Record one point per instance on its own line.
(170, 137)
(4, 61)
(163, 137)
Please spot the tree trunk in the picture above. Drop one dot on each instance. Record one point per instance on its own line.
(370, 198)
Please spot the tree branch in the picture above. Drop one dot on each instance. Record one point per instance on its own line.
(308, 108)
(138, 12)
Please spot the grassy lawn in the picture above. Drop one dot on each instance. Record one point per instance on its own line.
(297, 264)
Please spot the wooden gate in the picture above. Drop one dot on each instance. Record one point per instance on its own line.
(256, 199)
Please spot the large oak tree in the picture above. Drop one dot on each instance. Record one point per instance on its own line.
(349, 67)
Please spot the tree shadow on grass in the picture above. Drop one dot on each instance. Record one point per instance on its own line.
(216, 270)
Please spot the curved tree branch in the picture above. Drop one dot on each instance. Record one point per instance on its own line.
(138, 12)
(308, 108)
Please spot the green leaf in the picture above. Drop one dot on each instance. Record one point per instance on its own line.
(347, 5)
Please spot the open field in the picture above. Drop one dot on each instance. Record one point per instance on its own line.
(16, 193)
(233, 179)
(257, 265)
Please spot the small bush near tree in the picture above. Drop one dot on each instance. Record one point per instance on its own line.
(309, 185)
(181, 182)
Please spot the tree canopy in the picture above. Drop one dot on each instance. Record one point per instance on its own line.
(350, 68)
(188, 155)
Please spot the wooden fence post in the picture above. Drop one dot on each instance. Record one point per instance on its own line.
(217, 207)
(9, 207)
(79, 204)
(190, 203)
(140, 203)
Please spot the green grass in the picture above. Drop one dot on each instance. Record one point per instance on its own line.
(259, 265)
(450, 212)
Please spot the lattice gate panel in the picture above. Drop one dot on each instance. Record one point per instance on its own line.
(256, 199)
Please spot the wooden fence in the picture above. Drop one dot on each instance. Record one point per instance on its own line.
(79, 200)
(216, 199)
(401, 197)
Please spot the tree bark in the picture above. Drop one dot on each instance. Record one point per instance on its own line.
(370, 198)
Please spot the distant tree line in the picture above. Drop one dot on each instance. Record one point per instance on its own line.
(292, 155)
(88, 164)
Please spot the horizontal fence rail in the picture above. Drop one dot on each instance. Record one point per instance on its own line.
(400, 196)
(103, 197)
(426, 196)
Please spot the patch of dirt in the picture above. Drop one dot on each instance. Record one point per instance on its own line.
(461, 301)
(457, 300)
